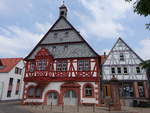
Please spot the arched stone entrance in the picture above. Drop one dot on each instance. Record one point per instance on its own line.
(52, 97)
(70, 97)
(70, 93)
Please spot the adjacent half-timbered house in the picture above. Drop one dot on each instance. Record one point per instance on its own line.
(62, 68)
(123, 63)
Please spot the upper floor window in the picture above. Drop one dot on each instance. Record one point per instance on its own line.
(18, 70)
(83, 65)
(121, 57)
(62, 66)
(42, 64)
(125, 70)
(138, 70)
(113, 70)
(119, 70)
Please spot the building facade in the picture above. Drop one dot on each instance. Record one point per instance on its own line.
(11, 78)
(124, 64)
(62, 68)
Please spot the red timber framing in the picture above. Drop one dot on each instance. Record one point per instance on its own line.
(50, 73)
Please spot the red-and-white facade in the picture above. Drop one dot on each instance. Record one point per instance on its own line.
(62, 68)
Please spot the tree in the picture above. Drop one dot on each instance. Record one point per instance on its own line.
(146, 65)
(142, 7)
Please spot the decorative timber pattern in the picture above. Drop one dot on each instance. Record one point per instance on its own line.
(123, 62)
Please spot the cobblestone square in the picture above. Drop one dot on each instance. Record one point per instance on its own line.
(16, 107)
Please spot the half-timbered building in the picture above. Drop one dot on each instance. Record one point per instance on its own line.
(62, 68)
(123, 63)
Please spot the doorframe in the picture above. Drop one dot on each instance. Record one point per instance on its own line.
(52, 91)
(70, 86)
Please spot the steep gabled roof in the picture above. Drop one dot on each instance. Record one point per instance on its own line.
(56, 28)
(120, 39)
(9, 63)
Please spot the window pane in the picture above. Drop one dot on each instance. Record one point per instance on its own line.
(121, 57)
(42, 64)
(88, 91)
(113, 70)
(125, 70)
(83, 65)
(119, 70)
(31, 92)
(138, 70)
(38, 92)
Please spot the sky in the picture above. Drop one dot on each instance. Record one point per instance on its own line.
(101, 22)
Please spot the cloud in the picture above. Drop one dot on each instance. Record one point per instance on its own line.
(102, 20)
(42, 27)
(145, 48)
(17, 41)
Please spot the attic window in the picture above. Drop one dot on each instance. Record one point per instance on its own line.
(66, 34)
(55, 35)
(121, 57)
(65, 47)
(54, 48)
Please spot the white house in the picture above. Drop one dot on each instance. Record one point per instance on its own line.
(123, 63)
(11, 78)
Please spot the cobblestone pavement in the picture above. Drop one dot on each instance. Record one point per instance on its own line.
(16, 107)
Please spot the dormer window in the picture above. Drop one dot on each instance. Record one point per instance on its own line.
(43, 59)
(121, 57)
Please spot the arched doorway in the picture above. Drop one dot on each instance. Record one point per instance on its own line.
(70, 97)
(52, 97)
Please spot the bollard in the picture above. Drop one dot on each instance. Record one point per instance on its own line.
(94, 107)
(78, 107)
(62, 107)
(51, 106)
(42, 106)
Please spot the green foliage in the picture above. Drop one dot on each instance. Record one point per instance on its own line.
(142, 7)
(146, 65)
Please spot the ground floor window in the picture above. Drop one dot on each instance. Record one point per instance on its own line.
(88, 90)
(9, 93)
(126, 90)
(141, 89)
(38, 92)
(31, 92)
